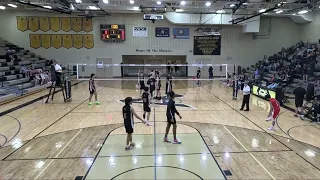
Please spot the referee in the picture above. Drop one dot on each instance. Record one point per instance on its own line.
(246, 96)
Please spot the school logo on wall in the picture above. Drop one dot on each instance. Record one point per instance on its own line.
(164, 101)
(162, 32)
(140, 32)
(181, 33)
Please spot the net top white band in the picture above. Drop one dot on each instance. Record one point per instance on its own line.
(152, 65)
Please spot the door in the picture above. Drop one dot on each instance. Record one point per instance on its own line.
(103, 68)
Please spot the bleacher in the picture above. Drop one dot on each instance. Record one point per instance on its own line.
(13, 83)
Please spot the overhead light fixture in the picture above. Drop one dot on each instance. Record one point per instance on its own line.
(48, 7)
(2, 7)
(78, 1)
(158, 2)
(303, 11)
(220, 11)
(262, 10)
(280, 11)
(105, 1)
(294, 14)
(246, 3)
(136, 8)
(232, 5)
(71, 7)
(12, 5)
(131, 1)
(92, 8)
(182, 2)
(179, 10)
(208, 4)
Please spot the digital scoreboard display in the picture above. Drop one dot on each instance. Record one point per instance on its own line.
(113, 32)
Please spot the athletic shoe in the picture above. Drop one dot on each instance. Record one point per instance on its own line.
(176, 142)
(128, 148)
(166, 140)
(132, 144)
(268, 119)
(148, 124)
(97, 103)
(90, 103)
(271, 128)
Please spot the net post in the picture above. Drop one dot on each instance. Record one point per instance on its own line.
(77, 71)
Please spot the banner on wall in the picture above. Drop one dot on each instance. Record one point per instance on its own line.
(22, 23)
(33, 23)
(262, 92)
(207, 45)
(181, 33)
(35, 41)
(76, 24)
(46, 41)
(77, 41)
(87, 24)
(44, 24)
(66, 24)
(162, 32)
(55, 24)
(88, 41)
(67, 41)
(56, 41)
(140, 32)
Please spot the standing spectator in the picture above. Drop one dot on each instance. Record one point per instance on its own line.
(58, 70)
(246, 97)
(299, 93)
(210, 72)
(168, 68)
(310, 92)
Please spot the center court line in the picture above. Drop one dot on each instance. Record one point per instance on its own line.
(249, 153)
(58, 154)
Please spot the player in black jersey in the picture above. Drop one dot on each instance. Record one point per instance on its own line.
(158, 87)
(198, 75)
(152, 85)
(146, 105)
(168, 84)
(128, 113)
(93, 90)
(171, 111)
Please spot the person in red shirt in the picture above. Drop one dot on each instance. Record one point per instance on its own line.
(274, 111)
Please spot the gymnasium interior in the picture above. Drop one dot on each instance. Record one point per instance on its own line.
(207, 52)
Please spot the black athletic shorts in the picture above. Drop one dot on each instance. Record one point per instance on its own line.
(299, 102)
(129, 129)
(146, 108)
(169, 120)
(92, 91)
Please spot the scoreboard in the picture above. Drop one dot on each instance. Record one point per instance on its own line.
(112, 32)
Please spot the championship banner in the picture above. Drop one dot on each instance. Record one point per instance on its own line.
(46, 41)
(35, 41)
(207, 45)
(162, 32)
(87, 24)
(44, 24)
(55, 24)
(77, 41)
(76, 24)
(56, 41)
(22, 23)
(181, 33)
(140, 32)
(33, 23)
(66, 24)
(88, 41)
(262, 92)
(67, 41)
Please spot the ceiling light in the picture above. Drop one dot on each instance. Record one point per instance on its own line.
(92, 8)
(208, 4)
(12, 5)
(302, 11)
(2, 7)
(280, 11)
(105, 1)
(158, 2)
(48, 7)
(246, 3)
(78, 1)
(232, 5)
(136, 8)
(131, 1)
(262, 10)
(294, 14)
(71, 7)
(220, 11)
(182, 2)
(179, 10)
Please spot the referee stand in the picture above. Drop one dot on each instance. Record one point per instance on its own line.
(64, 87)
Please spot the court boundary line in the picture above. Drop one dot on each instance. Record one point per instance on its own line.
(19, 128)
(5, 140)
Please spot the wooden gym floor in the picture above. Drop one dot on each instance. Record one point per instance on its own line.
(72, 140)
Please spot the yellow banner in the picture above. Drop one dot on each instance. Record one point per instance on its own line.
(262, 92)
(22, 23)
(87, 24)
(88, 41)
(76, 24)
(77, 41)
(46, 41)
(35, 41)
(33, 23)
(67, 41)
(65, 24)
(55, 24)
(56, 41)
(44, 24)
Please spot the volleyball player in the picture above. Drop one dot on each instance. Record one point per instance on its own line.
(168, 84)
(198, 75)
(274, 111)
(171, 120)
(158, 87)
(93, 90)
(146, 105)
(151, 82)
(128, 113)
(141, 82)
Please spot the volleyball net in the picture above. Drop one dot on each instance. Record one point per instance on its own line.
(131, 71)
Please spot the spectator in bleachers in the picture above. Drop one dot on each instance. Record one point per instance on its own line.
(25, 71)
